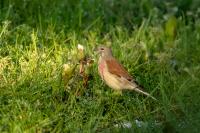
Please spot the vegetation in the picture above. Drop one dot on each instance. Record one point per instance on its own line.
(157, 41)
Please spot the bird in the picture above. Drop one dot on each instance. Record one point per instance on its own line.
(114, 74)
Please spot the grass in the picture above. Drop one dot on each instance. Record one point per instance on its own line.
(156, 43)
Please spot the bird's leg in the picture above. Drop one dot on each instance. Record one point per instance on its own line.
(118, 92)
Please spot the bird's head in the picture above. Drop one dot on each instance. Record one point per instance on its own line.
(104, 51)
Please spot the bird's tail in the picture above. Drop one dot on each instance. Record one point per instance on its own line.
(138, 89)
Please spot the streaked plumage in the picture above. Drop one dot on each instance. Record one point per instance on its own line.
(114, 74)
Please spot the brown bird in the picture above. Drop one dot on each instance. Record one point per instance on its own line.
(114, 74)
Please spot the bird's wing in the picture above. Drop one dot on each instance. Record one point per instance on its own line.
(116, 68)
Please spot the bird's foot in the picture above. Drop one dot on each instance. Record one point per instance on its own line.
(118, 93)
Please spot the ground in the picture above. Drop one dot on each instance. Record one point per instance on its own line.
(42, 90)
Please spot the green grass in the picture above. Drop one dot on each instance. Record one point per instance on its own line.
(156, 43)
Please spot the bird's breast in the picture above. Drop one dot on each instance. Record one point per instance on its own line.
(101, 68)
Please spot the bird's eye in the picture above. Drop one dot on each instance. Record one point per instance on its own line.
(102, 49)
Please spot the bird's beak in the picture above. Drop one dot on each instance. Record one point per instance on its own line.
(96, 50)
